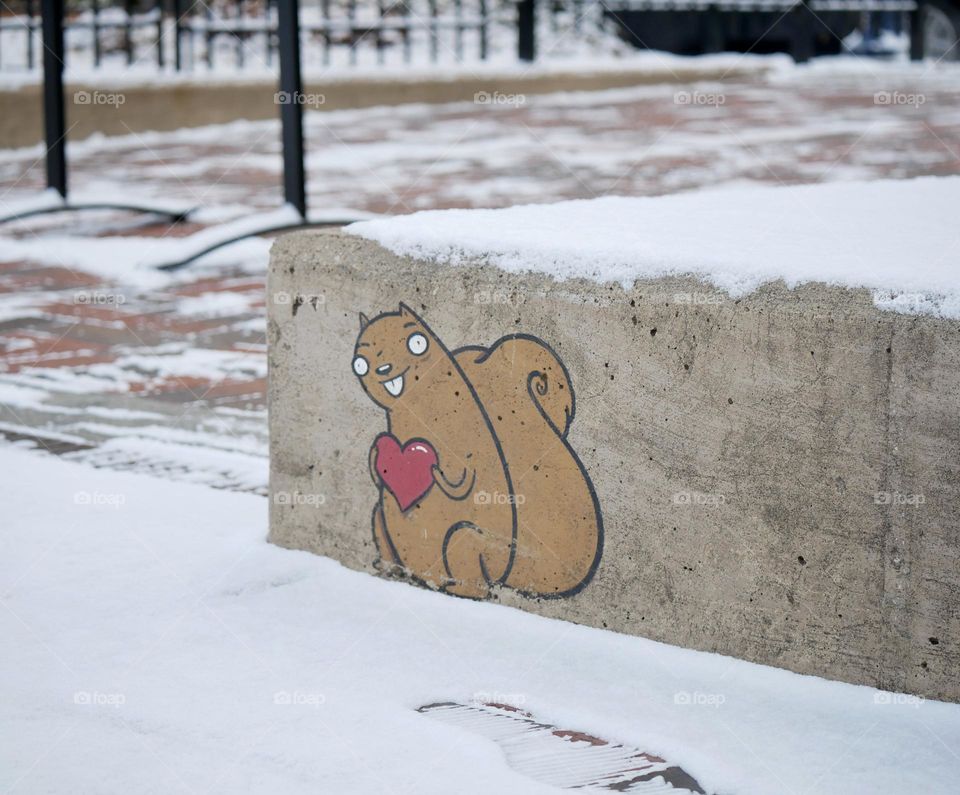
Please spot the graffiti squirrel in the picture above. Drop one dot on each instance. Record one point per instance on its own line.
(478, 483)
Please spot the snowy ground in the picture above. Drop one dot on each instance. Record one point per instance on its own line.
(156, 643)
(151, 631)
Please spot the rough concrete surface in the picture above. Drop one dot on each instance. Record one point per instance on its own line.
(779, 476)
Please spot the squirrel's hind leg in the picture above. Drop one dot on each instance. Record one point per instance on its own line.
(387, 553)
(466, 553)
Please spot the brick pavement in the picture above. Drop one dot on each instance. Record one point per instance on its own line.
(158, 373)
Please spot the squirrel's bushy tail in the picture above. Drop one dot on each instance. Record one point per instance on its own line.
(516, 364)
(528, 397)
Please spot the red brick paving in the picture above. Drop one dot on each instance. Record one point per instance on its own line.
(80, 319)
(29, 277)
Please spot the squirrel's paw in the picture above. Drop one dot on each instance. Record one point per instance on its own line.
(467, 589)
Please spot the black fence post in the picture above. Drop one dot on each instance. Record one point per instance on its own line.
(178, 11)
(31, 30)
(407, 50)
(209, 36)
(354, 40)
(801, 46)
(54, 129)
(526, 30)
(712, 30)
(379, 42)
(458, 29)
(238, 35)
(484, 35)
(128, 9)
(97, 49)
(917, 21)
(291, 111)
(161, 21)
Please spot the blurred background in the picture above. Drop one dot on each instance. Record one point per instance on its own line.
(151, 150)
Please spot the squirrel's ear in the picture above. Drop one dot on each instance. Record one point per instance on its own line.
(364, 321)
(406, 311)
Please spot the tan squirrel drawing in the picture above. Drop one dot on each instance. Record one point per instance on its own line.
(478, 484)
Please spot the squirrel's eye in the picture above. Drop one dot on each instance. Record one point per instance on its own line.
(417, 344)
(360, 366)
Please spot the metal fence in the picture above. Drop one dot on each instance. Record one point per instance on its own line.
(182, 35)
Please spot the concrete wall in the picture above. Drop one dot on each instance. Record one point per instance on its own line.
(779, 476)
(194, 104)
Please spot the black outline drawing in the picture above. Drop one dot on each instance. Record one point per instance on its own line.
(535, 391)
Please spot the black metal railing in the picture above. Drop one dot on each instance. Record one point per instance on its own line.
(292, 215)
(183, 35)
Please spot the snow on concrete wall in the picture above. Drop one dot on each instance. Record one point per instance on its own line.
(895, 237)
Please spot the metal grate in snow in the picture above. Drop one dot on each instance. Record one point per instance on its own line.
(564, 758)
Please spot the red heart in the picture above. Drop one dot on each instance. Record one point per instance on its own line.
(406, 471)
